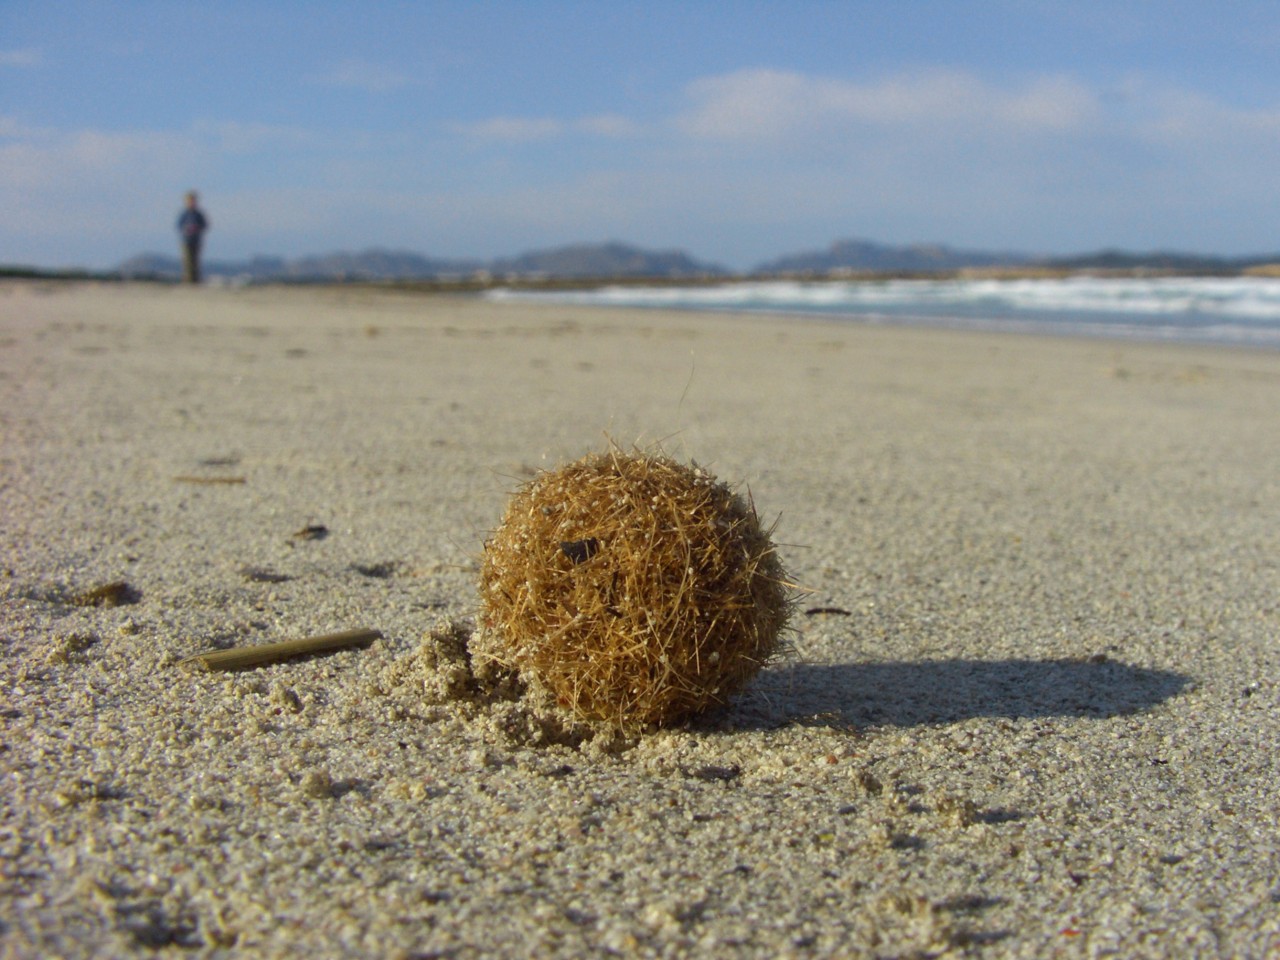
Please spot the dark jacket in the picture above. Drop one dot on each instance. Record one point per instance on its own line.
(192, 224)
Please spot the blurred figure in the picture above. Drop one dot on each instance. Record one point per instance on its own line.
(192, 223)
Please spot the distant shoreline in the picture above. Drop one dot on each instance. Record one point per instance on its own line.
(481, 283)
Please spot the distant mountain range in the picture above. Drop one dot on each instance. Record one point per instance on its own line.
(580, 261)
(619, 260)
(866, 255)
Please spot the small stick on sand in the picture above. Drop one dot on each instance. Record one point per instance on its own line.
(237, 657)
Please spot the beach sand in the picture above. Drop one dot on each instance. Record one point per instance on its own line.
(1030, 705)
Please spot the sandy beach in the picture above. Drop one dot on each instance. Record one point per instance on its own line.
(1029, 707)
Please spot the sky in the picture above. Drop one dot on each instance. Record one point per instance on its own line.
(737, 131)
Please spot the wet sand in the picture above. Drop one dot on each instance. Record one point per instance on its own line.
(1029, 707)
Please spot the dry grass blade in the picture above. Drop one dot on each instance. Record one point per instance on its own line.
(239, 657)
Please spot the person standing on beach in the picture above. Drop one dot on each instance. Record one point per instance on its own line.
(192, 223)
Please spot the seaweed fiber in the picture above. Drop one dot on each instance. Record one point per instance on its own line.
(632, 590)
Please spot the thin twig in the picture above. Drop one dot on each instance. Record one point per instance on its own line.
(238, 657)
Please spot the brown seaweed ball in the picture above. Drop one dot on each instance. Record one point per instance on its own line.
(632, 589)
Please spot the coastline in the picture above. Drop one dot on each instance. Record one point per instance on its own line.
(1030, 713)
(1240, 311)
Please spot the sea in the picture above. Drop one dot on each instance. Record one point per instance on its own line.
(1235, 311)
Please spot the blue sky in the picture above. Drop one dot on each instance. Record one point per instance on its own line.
(736, 131)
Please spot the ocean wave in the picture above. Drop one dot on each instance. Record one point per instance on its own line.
(1228, 310)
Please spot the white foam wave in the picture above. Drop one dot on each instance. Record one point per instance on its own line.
(1234, 309)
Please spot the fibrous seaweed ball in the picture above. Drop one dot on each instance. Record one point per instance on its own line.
(632, 589)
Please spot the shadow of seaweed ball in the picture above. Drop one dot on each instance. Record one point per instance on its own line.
(632, 589)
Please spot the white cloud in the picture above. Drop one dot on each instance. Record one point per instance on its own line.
(247, 138)
(610, 125)
(772, 104)
(514, 129)
(11, 128)
(88, 160)
(356, 74)
(1178, 117)
(21, 59)
(1051, 103)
